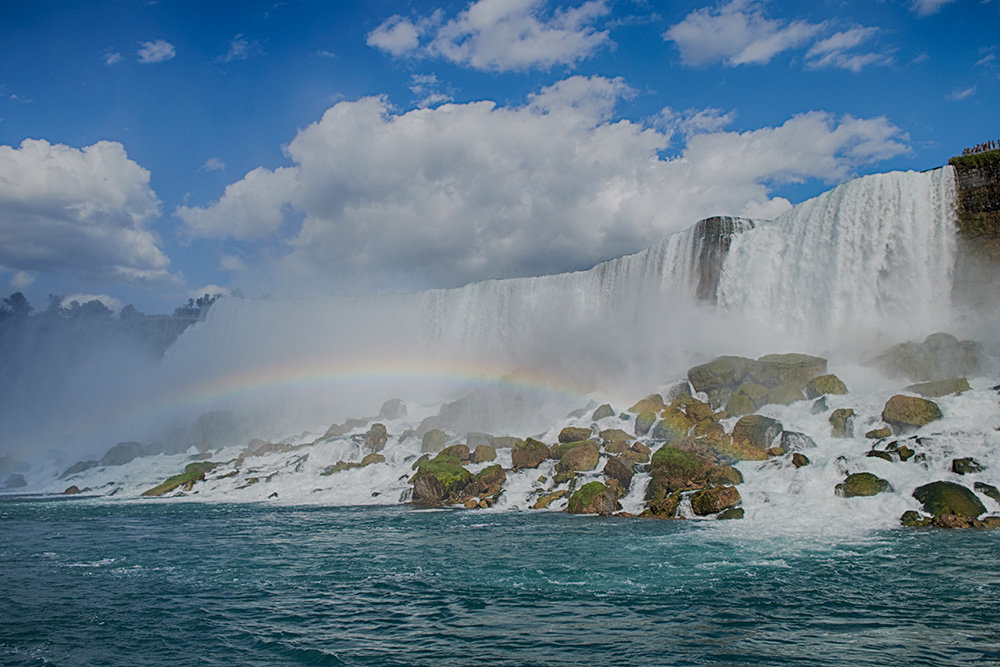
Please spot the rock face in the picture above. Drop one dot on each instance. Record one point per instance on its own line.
(78, 467)
(862, 484)
(714, 238)
(593, 498)
(908, 413)
(948, 498)
(529, 454)
(747, 399)
(978, 257)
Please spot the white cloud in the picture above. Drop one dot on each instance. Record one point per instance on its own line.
(593, 97)
(211, 290)
(212, 164)
(737, 33)
(157, 51)
(109, 302)
(232, 263)
(21, 279)
(241, 48)
(428, 89)
(959, 94)
(695, 121)
(462, 192)
(112, 58)
(835, 51)
(85, 211)
(499, 35)
(928, 7)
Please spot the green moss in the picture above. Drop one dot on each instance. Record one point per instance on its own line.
(948, 498)
(193, 472)
(984, 159)
(862, 484)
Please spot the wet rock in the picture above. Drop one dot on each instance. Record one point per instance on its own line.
(800, 460)
(908, 413)
(987, 490)
(617, 447)
(714, 500)
(776, 451)
(725, 476)
(913, 519)
(557, 450)
(775, 369)
(674, 424)
(644, 421)
(602, 412)
(696, 410)
(193, 472)
(543, 502)
(15, 481)
(939, 357)
(879, 433)
(579, 459)
(593, 498)
(376, 437)
(862, 484)
(725, 372)
(938, 388)
(78, 467)
(679, 470)
(794, 441)
(487, 483)
(574, 434)
(73, 490)
(662, 502)
(434, 441)
(619, 474)
(819, 406)
(965, 466)
(785, 394)
(842, 423)
(529, 454)
(483, 454)
(752, 437)
(439, 481)
(652, 403)
(476, 439)
(825, 384)
(731, 513)
(948, 498)
(394, 408)
(747, 399)
(884, 455)
(460, 452)
(506, 442)
(123, 453)
(610, 435)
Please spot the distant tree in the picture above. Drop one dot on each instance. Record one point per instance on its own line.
(130, 312)
(92, 309)
(197, 308)
(16, 305)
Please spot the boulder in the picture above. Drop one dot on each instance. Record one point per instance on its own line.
(725, 476)
(543, 502)
(908, 413)
(731, 513)
(825, 384)
(793, 441)
(376, 437)
(73, 490)
(879, 433)
(15, 481)
(842, 423)
(460, 452)
(616, 447)
(602, 412)
(593, 498)
(644, 421)
(77, 468)
(674, 424)
(610, 435)
(862, 484)
(652, 403)
(752, 436)
(965, 466)
(747, 399)
(528, 454)
(476, 439)
(483, 454)
(775, 369)
(193, 472)
(619, 473)
(557, 450)
(394, 408)
(785, 394)
(696, 410)
(679, 470)
(123, 453)
(937, 388)
(434, 441)
(661, 501)
(714, 500)
(940, 356)
(800, 460)
(579, 459)
(725, 372)
(439, 481)
(987, 490)
(948, 498)
(487, 483)
(819, 406)
(371, 459)
(574, 434)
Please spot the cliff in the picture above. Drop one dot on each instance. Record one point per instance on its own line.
(977, 265)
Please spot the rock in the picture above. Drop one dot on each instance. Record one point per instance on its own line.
(937, 388)
(610, 435)
(725, 372)
(475, 439)
(602, 412)
(776, 451)
(939, 357)
(825, 384)
(747, 399)
(913, 519)
(640, 448)
(731, 513)
(785, 394)
(674, 424)
(528, 454)
(714, 500)
(643, 422)
(123, 453)
(842, 421)
(661, 501)
(193, 472)
(908, 413)
(725, 476)
(619, 475)
(557, 450)
(593, 498)
(800, 460)
(573, 434)
(819, 406)
(879, 433)
(73, 490)
(680, 470)
(483, 454)
(652, 403)
(579, 459)
(953, 521)
(617, 447)
(434, 440)
(77, 468)
(544, 501)
(948, 498)
(471, 503)
(753, 435)
(371, 459)
(794, 441)
(439, 481)
(460, 452)
(394, 408)
(884, 455)
(423, 457)
(775, 369)
(15, 481)
(987, 490)
(376, 437)
(966, 466)
(862, 484)
(487, 483)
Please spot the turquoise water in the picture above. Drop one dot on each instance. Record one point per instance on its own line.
(174, 583)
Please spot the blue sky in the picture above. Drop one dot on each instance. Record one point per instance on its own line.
(151, 150)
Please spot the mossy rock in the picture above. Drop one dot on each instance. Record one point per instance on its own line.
(879, 433)
(439, 481)
(785, 394)
(619, 474)
(720, 373)
(747, 399)
(487, 483)
(644, 421)
(581, 458)
(752, 437)
(680, 469)
(987, 490)
(938, 388)
(913, 519)
(557, 450)
(862, 484)
(574, 434)
(593, 498)
(661, 501)
(772, 370)
(193, 472)
(822, 385)
(617, 447)
(674, 424)
(434, 441)
(602, 412)
(714, 500)
(371, 459)
(376, 437)
(884, 455)
(948, 498)
(528, 453)
(696, 410)
(966, 466)
(725, 476)
(842, 423)
(652, 403)
(483, 454)
(800, 460)
(610, 435)
(543, 502)
(908, 413)
(730, 514)
(460, 452)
